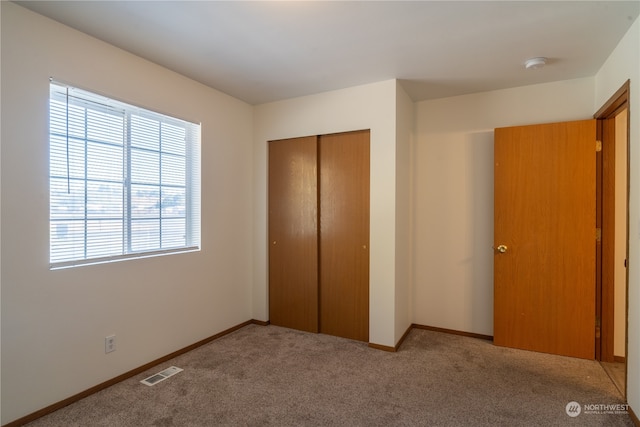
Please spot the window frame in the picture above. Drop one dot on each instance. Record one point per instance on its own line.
(90, 101)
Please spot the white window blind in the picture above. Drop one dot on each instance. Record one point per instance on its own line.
(124, 181)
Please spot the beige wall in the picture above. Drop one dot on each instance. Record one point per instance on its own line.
(624, 64)
(54, 322)
(453, 194)
(372, 107)
(405, 125)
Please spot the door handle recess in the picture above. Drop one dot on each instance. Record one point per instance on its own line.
(501, 248)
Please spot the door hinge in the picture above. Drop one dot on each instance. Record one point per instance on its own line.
(598, 234)
(597, 326)
(598, 146)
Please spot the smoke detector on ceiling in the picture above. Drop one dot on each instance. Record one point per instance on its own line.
(535, 63)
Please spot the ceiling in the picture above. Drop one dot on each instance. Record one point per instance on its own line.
(266, 51)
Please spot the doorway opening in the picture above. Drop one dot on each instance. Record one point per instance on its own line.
(613, 220)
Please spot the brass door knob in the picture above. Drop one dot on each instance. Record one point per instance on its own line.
(501, 248)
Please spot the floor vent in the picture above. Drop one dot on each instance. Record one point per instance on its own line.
(161, 376)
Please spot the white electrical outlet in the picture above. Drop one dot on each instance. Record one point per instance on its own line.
(110, 344)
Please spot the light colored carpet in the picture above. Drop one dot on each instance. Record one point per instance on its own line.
(272, 376)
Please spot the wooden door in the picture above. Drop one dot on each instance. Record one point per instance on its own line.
(545, 216)
(293, 233)
(344, 234)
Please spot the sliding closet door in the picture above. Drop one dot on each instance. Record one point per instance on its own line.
(293, 233)
(344, 234)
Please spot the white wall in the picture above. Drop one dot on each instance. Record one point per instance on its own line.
(363, 107)
(405, 125)
(453, 194)
(624, 64)
(54, 322)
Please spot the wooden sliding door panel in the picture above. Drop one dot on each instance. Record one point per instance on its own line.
(344, 234)
(293, 233)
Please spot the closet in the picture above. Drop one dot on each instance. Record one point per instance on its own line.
(318, 206)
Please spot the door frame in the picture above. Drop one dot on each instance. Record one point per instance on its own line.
(605, 210)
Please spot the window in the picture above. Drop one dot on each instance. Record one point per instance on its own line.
(124, 182)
